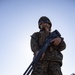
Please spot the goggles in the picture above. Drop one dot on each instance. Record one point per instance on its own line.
(43, 21)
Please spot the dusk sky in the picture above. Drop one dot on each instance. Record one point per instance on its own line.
(19, 20)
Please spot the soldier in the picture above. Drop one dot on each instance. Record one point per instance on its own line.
(51, 61)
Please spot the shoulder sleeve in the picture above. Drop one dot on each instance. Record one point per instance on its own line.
(34, 42)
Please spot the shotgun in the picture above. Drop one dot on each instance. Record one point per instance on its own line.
(43, 48)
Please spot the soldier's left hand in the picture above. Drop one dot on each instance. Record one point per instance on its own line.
(56, 41)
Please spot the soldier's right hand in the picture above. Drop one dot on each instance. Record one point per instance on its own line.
(42, 56)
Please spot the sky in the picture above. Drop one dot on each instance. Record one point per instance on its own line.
(19, 20)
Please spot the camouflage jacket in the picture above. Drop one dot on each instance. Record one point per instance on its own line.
(53, 53)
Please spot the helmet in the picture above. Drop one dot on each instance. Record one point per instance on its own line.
(44, 19)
